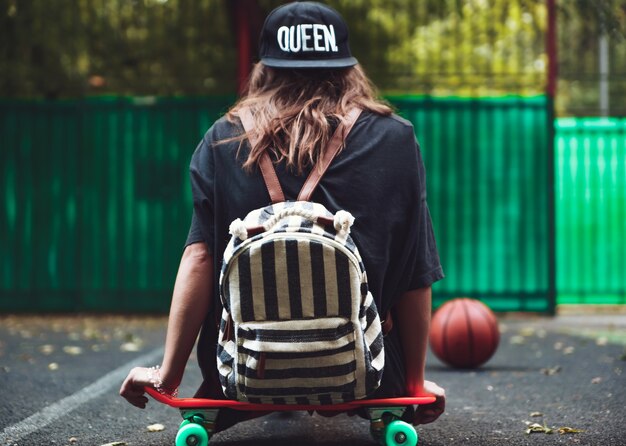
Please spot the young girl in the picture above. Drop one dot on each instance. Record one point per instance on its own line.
(304, 86)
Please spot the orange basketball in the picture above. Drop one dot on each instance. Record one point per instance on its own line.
(464, 333)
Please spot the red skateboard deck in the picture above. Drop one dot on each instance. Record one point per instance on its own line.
(199, 416)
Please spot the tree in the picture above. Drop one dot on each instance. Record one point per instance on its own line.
(74, 48)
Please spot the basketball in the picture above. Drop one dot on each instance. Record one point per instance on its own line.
(464, 333)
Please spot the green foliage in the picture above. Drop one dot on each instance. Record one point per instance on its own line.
(475, 48)
(581, 23)
(73, 48)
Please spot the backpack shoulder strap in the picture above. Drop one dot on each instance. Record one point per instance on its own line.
(265, 163)
(331, 150)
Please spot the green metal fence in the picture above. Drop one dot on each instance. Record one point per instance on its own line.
(591, 211)
(488, 171)
(96, 203)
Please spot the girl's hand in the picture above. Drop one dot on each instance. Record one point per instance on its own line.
(427, 413)
(133, 386)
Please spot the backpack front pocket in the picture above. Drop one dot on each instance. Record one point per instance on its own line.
(297, 360)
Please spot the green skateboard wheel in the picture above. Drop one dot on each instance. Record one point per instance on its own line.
(399, 433)
(198, 419)
(192, 434)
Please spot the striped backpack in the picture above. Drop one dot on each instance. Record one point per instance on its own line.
(299, 325)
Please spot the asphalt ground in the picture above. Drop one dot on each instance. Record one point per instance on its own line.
(60, 376)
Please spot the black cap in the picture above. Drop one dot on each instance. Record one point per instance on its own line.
(305, 35)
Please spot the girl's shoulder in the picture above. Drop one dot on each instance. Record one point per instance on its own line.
(393, 128)
(223, 129)
(393, 120)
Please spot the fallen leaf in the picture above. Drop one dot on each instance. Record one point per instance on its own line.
(73, 440)
(596, 380)
(551, 370)
(602, 341)
(130, 347)
(92, 334)
(47, 349)
(569, 430)
(536, 414)
(73, 350)
(156, 427)
(517, 340)
(568, 350)
(536, 428)
(115, 443)
(53, 366)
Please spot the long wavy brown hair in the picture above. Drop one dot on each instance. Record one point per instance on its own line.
(296, 111)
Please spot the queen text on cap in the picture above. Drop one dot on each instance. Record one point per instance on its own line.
(307, 37)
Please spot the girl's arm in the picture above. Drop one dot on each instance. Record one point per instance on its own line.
(191, 300)
(413, 313)
(413, 316)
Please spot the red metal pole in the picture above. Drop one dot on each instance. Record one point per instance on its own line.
(551, 49)
(244, 56)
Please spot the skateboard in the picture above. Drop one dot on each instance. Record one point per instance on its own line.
(386, 426)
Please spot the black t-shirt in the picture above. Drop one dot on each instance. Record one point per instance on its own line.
(378, 177)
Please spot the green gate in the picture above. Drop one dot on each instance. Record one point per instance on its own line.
(96, 203)
(487, 163)
(591, 210)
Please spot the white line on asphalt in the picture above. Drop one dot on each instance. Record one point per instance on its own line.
(47, 415)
